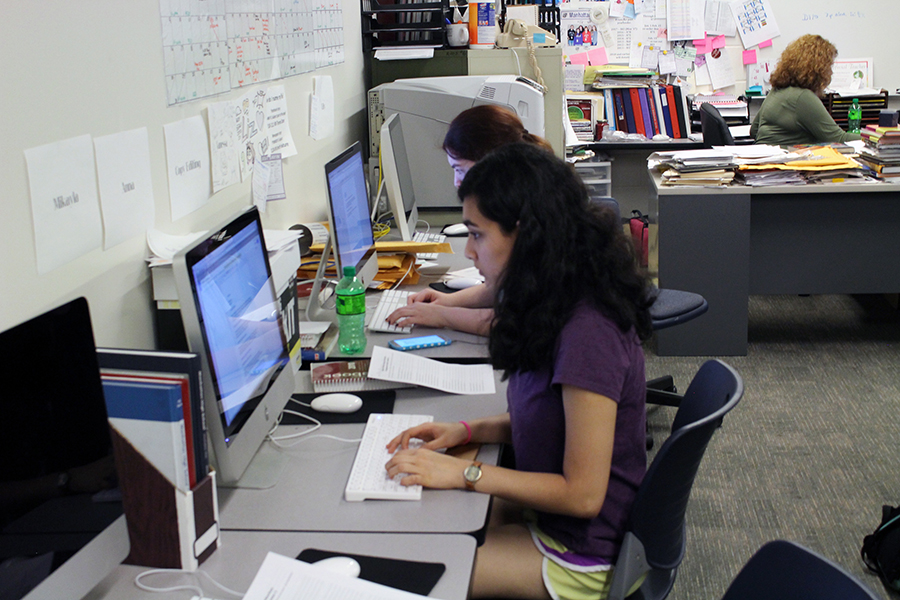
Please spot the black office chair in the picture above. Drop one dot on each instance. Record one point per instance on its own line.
(715, 130)
(782, 570)
(655, 538)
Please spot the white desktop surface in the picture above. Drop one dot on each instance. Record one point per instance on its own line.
(241, 553)
(310, 493)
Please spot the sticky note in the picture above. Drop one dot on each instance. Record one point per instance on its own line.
(598, 56)
(579, 59)
(749, 57)
(702, 46)
(765, 44)
(718, 41)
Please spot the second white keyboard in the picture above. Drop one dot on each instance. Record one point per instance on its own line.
(430, 238)
(368, 477)
(388, 302)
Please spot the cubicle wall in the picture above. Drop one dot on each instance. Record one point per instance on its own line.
(96, 68)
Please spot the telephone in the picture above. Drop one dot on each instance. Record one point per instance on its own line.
(518, 34)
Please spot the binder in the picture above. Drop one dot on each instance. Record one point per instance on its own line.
(645, 112)
(654, 111)
(610, 108)
(683, 126)
(664, 110)
(637, 117)
(168, 528)
(621, 122)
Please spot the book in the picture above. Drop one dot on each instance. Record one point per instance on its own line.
(149, 415)
(881, 168)
(160, 362)
(323, 348)
(621, 123)
(673, 112)
(347, 376)
(645, 112)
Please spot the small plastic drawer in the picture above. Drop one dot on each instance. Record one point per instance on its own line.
(594, 170)
(598, 188)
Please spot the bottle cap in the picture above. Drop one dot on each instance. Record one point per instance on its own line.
(350, 271)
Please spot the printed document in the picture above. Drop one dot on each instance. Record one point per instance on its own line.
(288, 579)
(403, 367)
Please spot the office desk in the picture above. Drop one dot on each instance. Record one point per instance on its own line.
(310, 492)
(241, 553)
(467, 348)
(729, 243)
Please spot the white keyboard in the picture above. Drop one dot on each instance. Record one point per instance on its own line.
(388, 302)
(368, 477)
(430, 238)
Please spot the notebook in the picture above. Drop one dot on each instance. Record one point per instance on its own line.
(347, 376)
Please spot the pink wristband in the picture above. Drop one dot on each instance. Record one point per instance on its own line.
(468, 431)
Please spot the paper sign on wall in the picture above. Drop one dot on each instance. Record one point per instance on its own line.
(126, 187)
(64, 203)
(187, 157)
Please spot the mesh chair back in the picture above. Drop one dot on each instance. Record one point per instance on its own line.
(782, 570)
(715, 129)
(657, 517)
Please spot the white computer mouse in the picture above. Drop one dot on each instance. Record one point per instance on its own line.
(461, 283)
(456, 229)
(337, 403)
(340, 565)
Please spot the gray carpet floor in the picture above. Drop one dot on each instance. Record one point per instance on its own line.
(812, 451)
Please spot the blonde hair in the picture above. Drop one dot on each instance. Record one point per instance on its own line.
(805, 63)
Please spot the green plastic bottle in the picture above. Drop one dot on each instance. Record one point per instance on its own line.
(351, 313)
(854, 117)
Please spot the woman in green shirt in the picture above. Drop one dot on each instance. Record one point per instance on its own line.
(792, 112)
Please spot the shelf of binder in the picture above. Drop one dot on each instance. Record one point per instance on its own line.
(398, 23)
(871, 106)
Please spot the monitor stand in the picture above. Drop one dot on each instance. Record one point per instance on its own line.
(314, 310)
(263, 472)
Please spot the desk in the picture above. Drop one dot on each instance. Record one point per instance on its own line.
(729, 243)
(241, 554)
(310, 494)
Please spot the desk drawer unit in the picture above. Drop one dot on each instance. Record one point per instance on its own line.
(597, 177)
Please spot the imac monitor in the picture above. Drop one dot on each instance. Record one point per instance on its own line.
(398, 177)
(62, 529)
(348, 214)
(232, 320)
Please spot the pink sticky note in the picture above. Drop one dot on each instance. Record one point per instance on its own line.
(749, 57)
(597, 56)
(765, 44)
(579, 59)
(718, 41)
(702, 46)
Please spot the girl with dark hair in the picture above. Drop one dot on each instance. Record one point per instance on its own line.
(570, 311)
(471, 135)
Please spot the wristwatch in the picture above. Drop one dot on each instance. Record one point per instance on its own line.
(472, 474)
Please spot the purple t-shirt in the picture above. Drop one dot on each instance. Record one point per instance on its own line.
(595, 355)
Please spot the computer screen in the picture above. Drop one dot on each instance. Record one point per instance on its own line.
(61, 524)
(232, 319)
(398, 177)
(348, 213)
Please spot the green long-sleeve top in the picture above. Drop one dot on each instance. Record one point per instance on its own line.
(795, 116)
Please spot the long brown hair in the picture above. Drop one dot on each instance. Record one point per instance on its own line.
(478, 130)
(805, 63)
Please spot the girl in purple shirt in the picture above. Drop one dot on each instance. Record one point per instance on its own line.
(570, 311)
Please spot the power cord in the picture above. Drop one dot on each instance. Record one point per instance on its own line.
(302, 434)
(179, 587)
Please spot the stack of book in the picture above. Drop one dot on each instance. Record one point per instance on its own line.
(584, 110)
(317, 340)
(881, 154)
(649, 110)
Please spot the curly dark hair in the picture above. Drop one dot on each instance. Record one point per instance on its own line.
(476, 131)
(805, 63)
(566, 250)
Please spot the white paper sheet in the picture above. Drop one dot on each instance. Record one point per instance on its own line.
(721, 73)
(405, 367)
(321, 115)
(288, 579)
(685, 18)
(64, 204)
(187, 156)
(260, 184)
(224, 123)
(126, 187)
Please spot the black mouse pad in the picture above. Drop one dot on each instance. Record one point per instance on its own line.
(374, 401)
(441, 287)
(407, 575)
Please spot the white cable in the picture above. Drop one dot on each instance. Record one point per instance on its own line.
(516, 56)
(175, 588)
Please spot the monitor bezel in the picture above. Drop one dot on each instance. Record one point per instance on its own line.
(395, 168)
(232, 451)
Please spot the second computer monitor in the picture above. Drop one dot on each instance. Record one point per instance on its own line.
(348, 214)
(398, 177)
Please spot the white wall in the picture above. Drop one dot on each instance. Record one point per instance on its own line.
(75, 68)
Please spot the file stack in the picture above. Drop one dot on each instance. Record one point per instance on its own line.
(881, 153)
